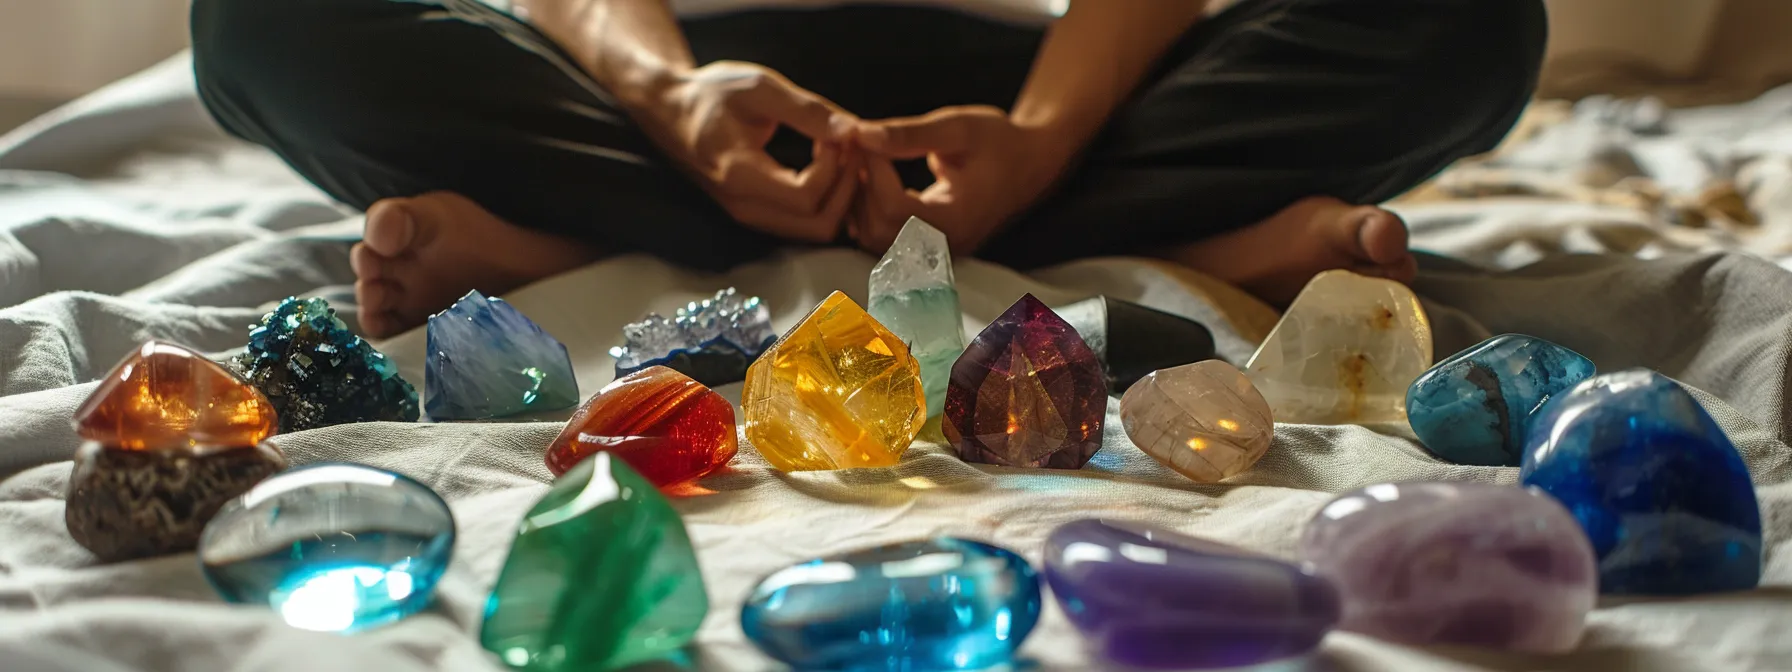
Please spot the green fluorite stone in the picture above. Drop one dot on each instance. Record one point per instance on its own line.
(914, 295)
(601, 576)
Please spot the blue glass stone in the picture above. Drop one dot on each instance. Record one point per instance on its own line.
(317, 373)
(1476, 407)
(713, 341)
(331, 547)
(941, 604)
(1658, 487)
(488, 360)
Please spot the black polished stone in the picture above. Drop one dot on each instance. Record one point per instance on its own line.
(1133, 340)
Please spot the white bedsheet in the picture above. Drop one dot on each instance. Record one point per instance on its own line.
(127, 216)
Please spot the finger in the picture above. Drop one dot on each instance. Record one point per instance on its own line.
(889, 205)
(945, 130)
(766, 217)
(822, 226)
(840, 200)
(777, 99)
(859, 215)
(823, 173)
(754, 175)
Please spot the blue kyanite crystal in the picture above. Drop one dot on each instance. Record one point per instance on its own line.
(712, 341)
(1658, 487)
(1476, 407)
(942, 604)
(487, 360)
(317, 373)
(332, 547)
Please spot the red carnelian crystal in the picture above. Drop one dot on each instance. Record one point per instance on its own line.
(667, 426)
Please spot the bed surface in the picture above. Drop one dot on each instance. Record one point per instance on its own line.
(1637, 236)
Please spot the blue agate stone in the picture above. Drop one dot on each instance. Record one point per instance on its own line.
(487, 360)
(941, 604)
(317, 373)
(331, 547)
(1476, 407)
(1658, 487)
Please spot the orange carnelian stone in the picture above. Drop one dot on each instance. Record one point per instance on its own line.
(166, 396)
(668, 427)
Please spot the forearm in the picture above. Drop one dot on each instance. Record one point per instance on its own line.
(633, 48)
(1092, 60)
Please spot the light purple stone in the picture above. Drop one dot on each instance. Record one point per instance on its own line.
(1456, 563)
(1154, 599)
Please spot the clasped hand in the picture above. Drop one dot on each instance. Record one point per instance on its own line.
(717, 120)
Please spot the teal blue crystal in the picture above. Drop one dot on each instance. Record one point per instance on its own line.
(317, 373)
(488, 360)
(913, 295)
(941, 604)
(1476, 407)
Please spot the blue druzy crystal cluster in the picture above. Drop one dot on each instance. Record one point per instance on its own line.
(712, 341)
(317, 373)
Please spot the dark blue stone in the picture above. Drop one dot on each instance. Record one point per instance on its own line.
(1476, 407)
(488, 360)
(942, 604)
(1658, 487)
(713, 341)
(318, 373)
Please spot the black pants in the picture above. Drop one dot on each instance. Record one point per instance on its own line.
(1265, 103)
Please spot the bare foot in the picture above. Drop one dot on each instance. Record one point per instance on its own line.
(1273, 259)
(417, 255)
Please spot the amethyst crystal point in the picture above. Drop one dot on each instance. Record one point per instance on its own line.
(1149, 598)
(1456, 563)
(1028, 392)
(488, 360)
(317, 373)
(712, 341)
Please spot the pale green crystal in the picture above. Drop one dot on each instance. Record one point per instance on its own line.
(912, 293)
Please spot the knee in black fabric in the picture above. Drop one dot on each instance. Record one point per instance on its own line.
(246, 52)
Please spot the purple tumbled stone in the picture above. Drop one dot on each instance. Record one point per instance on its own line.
(1456, 563)
(1154, 599)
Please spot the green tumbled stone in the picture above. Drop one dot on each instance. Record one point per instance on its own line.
(601, 576)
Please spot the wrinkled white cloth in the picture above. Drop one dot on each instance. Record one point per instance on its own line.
(171, 231)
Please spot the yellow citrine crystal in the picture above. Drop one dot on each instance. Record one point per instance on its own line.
(838, 391)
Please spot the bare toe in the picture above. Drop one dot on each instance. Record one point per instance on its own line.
(390, 228)
(1275, 258)
(375, 302)
(419, 254)
(1381, 236)
(368, 264)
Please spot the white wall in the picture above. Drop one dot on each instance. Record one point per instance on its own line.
(59, 49)
(1670, 35)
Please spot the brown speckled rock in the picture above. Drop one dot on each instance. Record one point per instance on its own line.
(125, 504)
